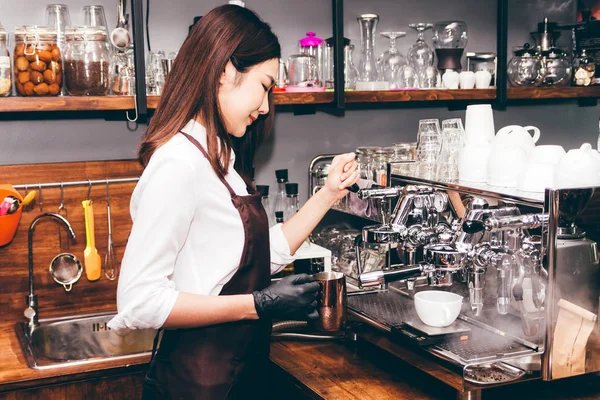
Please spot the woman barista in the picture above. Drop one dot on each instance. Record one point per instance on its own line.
(200, 254)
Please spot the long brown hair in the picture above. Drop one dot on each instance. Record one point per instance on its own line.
(227, 33)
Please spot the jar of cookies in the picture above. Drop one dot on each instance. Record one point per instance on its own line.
(87, 61)
(38, 61)
(5, 72)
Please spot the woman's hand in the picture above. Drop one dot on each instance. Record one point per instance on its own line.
(342, 173)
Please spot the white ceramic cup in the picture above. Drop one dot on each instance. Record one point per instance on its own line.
(515, 135)
(537, 177)
(505, 165)
(437, 308)
(467, 79)
(479, 124)
(450, 79)
(483, 79)
(578, 168)
(473, 162)
(549, 154)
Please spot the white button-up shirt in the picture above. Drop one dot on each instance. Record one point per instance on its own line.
(187, 236)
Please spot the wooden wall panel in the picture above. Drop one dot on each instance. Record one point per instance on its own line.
(85, 296)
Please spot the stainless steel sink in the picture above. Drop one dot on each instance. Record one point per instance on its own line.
(61, 342)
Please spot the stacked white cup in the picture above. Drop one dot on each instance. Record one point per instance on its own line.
(479, 132)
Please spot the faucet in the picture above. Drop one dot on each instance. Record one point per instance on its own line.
(31, 312)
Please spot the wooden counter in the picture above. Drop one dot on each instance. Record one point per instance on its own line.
(301, 369)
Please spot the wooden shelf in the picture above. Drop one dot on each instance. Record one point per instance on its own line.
(66, 103)
(116, 103)
(564, 92)
(419, 95)
(279, 98)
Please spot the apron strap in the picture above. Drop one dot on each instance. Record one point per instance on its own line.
(221, 177)
(155, 343)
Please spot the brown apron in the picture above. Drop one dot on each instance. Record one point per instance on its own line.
(226, 360)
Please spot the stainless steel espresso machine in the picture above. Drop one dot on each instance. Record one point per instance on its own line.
(526, 265)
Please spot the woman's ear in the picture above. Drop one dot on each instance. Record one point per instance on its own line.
(228, 75)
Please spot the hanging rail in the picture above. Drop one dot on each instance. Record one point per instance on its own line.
(87, 182)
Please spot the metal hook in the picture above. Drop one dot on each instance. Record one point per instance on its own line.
(40, 200)
(89, 190)
(107, 194)
(62, 198)
(136, 110)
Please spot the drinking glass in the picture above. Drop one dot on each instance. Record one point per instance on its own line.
(420, 54)
(428, 147)
(407, 77)
(57, 16)
(391, 60)
(94, 16)
(430, 78)
(451, 145)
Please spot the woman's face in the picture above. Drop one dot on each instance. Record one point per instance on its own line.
(243, 97)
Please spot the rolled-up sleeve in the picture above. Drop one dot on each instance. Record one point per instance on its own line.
(280, 249)
(165, 209)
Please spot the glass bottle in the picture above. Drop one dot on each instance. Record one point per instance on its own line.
(264, 192)
(5, 70)
(87, 61)
(584, 68)
(350, 70)
(38, 61)
(291, 208)
(281, 196)
(420, 55)
(367, 67)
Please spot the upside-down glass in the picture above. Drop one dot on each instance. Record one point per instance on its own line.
(407, 77)
(452, 143)
(428, 147)
(57, 15)
(420, 54)
(391, 60)
(430, 78)
(94, 16)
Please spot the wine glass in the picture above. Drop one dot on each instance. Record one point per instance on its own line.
(407, 77)
(391, 60)
(420, 55)
(430, 78)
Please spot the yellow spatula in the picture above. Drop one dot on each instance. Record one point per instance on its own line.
(91, 257)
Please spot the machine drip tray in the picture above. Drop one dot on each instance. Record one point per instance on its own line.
(461, 343)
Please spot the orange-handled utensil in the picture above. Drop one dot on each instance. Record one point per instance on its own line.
(91, 258)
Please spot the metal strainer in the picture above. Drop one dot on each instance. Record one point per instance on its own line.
(66, 269)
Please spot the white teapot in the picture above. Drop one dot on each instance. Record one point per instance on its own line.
(578, 168)
(515, 135)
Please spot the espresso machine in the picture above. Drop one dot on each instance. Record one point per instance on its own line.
(518, 259)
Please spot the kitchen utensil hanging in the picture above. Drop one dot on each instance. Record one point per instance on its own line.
(120, 36)
(62, 210)
(91, 257)
(66, 269)
(110, 259)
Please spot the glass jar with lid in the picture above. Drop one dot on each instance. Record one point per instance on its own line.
(38, 61)
(364, 159)
(87, 61)
(381, 158)
(557, 67)
(5, 70)
(525, 68)
(584, 68)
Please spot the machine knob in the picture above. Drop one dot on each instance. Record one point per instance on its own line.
(472, 227)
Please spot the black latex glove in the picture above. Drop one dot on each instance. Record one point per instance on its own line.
(294, 296)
